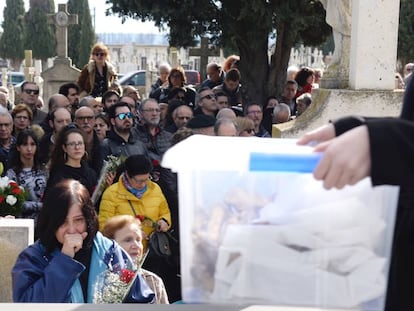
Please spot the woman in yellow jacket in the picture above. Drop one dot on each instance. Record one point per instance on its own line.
(135, 194)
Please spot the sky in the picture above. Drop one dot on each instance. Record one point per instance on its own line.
(103, 23)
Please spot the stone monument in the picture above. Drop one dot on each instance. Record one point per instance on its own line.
(338, 16)
(371, 71)
(62, 70)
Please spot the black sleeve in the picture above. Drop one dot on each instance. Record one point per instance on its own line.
(392, 151)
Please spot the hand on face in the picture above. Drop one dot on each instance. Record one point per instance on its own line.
(72, 243)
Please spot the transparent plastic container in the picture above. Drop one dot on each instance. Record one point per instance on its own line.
(256, 227)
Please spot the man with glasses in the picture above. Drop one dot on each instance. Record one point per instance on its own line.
(122, 139)
(29, 96)
(254, 112)
(85, 119)
(206, 103)
(156, 139)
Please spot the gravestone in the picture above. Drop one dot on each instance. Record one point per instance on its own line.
(15, 236)
(204, 51)
(62, 70)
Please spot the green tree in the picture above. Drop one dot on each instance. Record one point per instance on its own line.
(12, 39)
(406, 32)
(81, 37)
(40, 36)
(246, 24)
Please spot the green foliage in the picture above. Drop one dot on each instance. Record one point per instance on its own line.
(39, 35)
(81, 37)
(406, 32)
(11, 41)
(244, 24)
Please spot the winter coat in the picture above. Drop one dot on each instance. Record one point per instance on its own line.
(41, 277)
(86, 80)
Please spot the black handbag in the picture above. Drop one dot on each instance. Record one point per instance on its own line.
(159, 244)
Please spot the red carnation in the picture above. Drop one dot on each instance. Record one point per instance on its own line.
(1, 199)
(126, 275)
(155, 163)
(13, 184)
(17, 191)
(140, 217)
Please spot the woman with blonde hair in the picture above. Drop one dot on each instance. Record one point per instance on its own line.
(126, 231)
(245, 126)
(98, 75)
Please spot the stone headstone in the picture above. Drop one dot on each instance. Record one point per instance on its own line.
(62, 70)
(15, 236)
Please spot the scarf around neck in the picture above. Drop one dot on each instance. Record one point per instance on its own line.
(135, 192)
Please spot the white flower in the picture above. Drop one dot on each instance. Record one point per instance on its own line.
(11, 200)
(4, 182)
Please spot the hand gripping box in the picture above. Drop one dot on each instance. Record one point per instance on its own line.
(256, 227)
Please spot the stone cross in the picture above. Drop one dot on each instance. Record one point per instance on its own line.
(61, 20)
(204, 51)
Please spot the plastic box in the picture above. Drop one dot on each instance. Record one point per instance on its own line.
(256, 227)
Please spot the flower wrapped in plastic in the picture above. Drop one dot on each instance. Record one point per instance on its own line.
(110, 166)
(12, 197)
(114, 284)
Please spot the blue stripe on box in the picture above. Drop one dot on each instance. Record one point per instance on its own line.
(297, 163)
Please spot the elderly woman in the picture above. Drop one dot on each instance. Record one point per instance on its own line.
(126, 231)
(135, 194)
(64, 265)
(99, 74)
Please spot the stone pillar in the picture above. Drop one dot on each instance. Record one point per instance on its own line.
(374, 44)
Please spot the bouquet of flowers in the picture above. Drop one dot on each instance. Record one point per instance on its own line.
(110, 166)
(114, 284)
(12, 197)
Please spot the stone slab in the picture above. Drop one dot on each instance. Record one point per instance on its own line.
(332, 104)
(15, 236)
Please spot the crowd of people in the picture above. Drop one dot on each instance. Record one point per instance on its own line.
(59, 156)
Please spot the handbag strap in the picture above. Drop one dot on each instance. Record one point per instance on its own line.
(132, 207)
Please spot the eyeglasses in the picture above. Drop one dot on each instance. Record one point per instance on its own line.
(255, 112)
(123, 115)
(85, 118)
(30, 92)
(250, 131)
(75, 144)
(152, 110)
(175, 75)
(99, 54)
(21, 117)
(208, 96)
(183, 118)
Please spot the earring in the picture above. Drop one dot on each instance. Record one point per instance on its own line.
(65, 156)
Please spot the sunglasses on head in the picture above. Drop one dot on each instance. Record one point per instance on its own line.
(100, 54)
(124, 115)
(29, 91)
